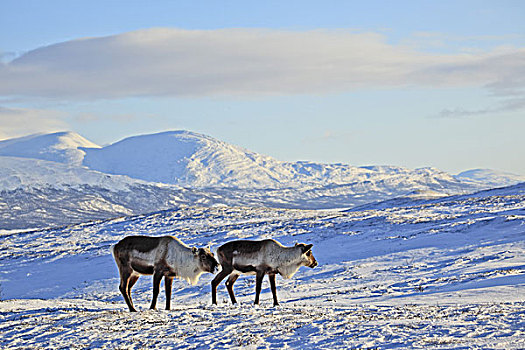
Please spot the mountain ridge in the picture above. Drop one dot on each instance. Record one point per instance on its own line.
(196, 160)
(45, 177)
(61, 147)
(493, 178)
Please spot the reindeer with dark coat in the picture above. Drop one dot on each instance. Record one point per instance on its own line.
(267, 257)
(161, 257)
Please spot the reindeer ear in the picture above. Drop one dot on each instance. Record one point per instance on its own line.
(194, 250)
(307, 247)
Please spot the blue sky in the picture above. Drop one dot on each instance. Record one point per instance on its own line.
(420, 83)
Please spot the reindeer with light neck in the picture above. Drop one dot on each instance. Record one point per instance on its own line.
(267, 257)
(161, 257)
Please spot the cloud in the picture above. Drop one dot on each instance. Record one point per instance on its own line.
(16, 122)
(459, 43)
(509, 105)
(173, 62)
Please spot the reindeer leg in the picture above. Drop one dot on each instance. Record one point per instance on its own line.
(274, 289)
(157, 277)
(222, 275)
(258, 284)
(132, 280)
(229, 285)
(167, 285)
(124, 282)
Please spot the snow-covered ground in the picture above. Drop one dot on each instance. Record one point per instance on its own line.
(410, 273)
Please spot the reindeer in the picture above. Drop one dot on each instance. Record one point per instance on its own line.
(267, 257)
(161, 257)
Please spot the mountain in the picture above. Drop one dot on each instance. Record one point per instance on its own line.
(62, 178)
(489, 177)
(18, 172)
(36, 193)
(62, 147)
(194, 160)
(187, 159)
(199, 161)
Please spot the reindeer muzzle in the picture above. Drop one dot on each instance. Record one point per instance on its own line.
(314, 264)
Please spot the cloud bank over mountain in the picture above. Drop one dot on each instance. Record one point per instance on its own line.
(177, 62)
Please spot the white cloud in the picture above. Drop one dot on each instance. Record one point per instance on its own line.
(458, 43)
(15, 122)
(172, 62)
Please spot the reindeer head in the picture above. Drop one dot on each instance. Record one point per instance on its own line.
(207, 260)
(307, 257)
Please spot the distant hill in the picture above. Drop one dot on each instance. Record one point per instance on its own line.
(61, 178)
(62, 147)
(490, 178)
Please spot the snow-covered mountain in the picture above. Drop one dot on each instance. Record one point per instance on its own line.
(18, 172)
(194, 160)
(492, 178)
(36, 193)
(62, 147)
(199, 161)
(45, 177)
(187, 159)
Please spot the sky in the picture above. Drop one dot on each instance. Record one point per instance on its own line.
(407, 83)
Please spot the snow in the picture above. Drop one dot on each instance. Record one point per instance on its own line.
(159, 158)
(37, 193)
(194, 160)
(490, 177)
(66, 324)
(43, 177)
(415, 259)
(62, 147)
(199, 161)
(419, 273)
(35, 173)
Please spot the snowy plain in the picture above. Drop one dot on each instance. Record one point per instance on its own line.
(406, 273)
